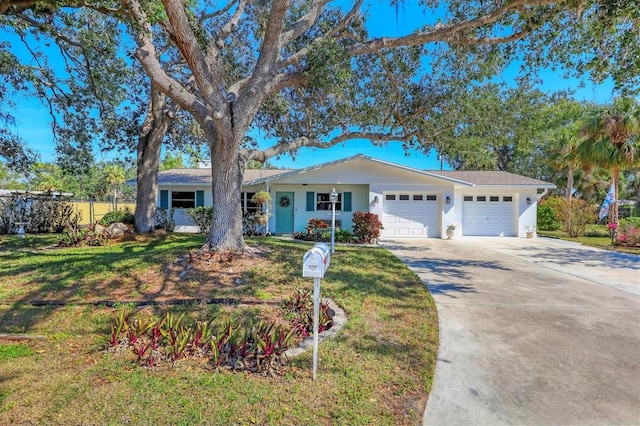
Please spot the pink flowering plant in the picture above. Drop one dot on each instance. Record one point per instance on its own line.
(628, 235)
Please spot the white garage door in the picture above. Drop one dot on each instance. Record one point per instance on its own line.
(410, 215)
(488, 215)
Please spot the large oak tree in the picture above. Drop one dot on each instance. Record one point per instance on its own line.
(308, 74)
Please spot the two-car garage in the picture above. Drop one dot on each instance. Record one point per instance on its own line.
(415, 215)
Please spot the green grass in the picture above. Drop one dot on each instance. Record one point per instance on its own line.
(595, 236)
(14, 350)
(378, 370)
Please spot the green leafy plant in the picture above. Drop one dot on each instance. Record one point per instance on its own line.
(41, 213)
(343, 236)
(78, 238)
(124, 216)
(202, 216)
(182, 338)
(171, 327)
(316, 226)
(546, 217)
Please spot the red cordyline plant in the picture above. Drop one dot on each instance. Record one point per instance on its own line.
(366, 226)
(255, 348)
(299, 311)
(118, 326)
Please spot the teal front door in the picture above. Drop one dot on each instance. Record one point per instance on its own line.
(284, 212)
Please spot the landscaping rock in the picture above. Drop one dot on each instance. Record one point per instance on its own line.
(99, 229)
(117, 230)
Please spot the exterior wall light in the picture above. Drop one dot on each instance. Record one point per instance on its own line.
(448, 199)
(528, 201)
(376, 200)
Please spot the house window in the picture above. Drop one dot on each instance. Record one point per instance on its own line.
(183, 199)
(482, 198)
(492, 198)
(404, 197)
(417, 198)
(508, 199)
(468, 198)
(323, 201)
(390, 197)
(431, 198)
(248, 206)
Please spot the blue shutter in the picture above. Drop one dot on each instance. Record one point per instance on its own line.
(164, 199)
(199, 198)
(311, 201)
(346, 201)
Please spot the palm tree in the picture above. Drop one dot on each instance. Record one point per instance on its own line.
(114, 175)
(611, 141)
(565, 155)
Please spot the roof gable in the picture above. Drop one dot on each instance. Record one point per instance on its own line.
(356, 169)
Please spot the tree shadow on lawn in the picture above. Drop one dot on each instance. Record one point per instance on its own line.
(85, 277)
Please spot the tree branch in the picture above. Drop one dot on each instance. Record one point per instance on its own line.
(187, 44)
(451, 33)
(304, 23)
(299, 55)
(146, 54)
(284, 147)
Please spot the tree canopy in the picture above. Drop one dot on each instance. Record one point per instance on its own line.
(308, 73)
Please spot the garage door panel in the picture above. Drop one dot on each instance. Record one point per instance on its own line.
(486, 215)
(412, 216)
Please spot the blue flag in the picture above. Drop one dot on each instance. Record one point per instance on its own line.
(604, 210)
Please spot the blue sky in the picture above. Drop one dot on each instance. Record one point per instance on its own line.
(33, 121)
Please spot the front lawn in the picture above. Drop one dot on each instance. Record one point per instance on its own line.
(378, 370)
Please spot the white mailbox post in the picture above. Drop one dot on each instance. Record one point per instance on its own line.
(314, 264)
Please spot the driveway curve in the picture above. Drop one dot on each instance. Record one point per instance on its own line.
(538, 331)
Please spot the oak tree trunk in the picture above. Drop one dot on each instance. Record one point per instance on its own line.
(153, 130)
(227, 171)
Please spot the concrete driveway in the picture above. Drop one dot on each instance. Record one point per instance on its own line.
(535, 331)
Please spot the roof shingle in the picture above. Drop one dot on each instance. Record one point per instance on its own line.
(203, 176)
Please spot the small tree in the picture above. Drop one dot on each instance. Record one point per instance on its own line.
(547, 220)
(574, 215)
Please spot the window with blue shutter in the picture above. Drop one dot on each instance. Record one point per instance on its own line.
(164, 199)
(311, 201)
(346, 201)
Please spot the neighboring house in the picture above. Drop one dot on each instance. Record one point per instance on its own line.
(411, 203)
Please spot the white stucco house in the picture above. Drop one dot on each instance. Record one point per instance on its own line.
(411, 203)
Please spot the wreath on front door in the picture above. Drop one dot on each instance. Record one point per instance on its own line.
(284, 201)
